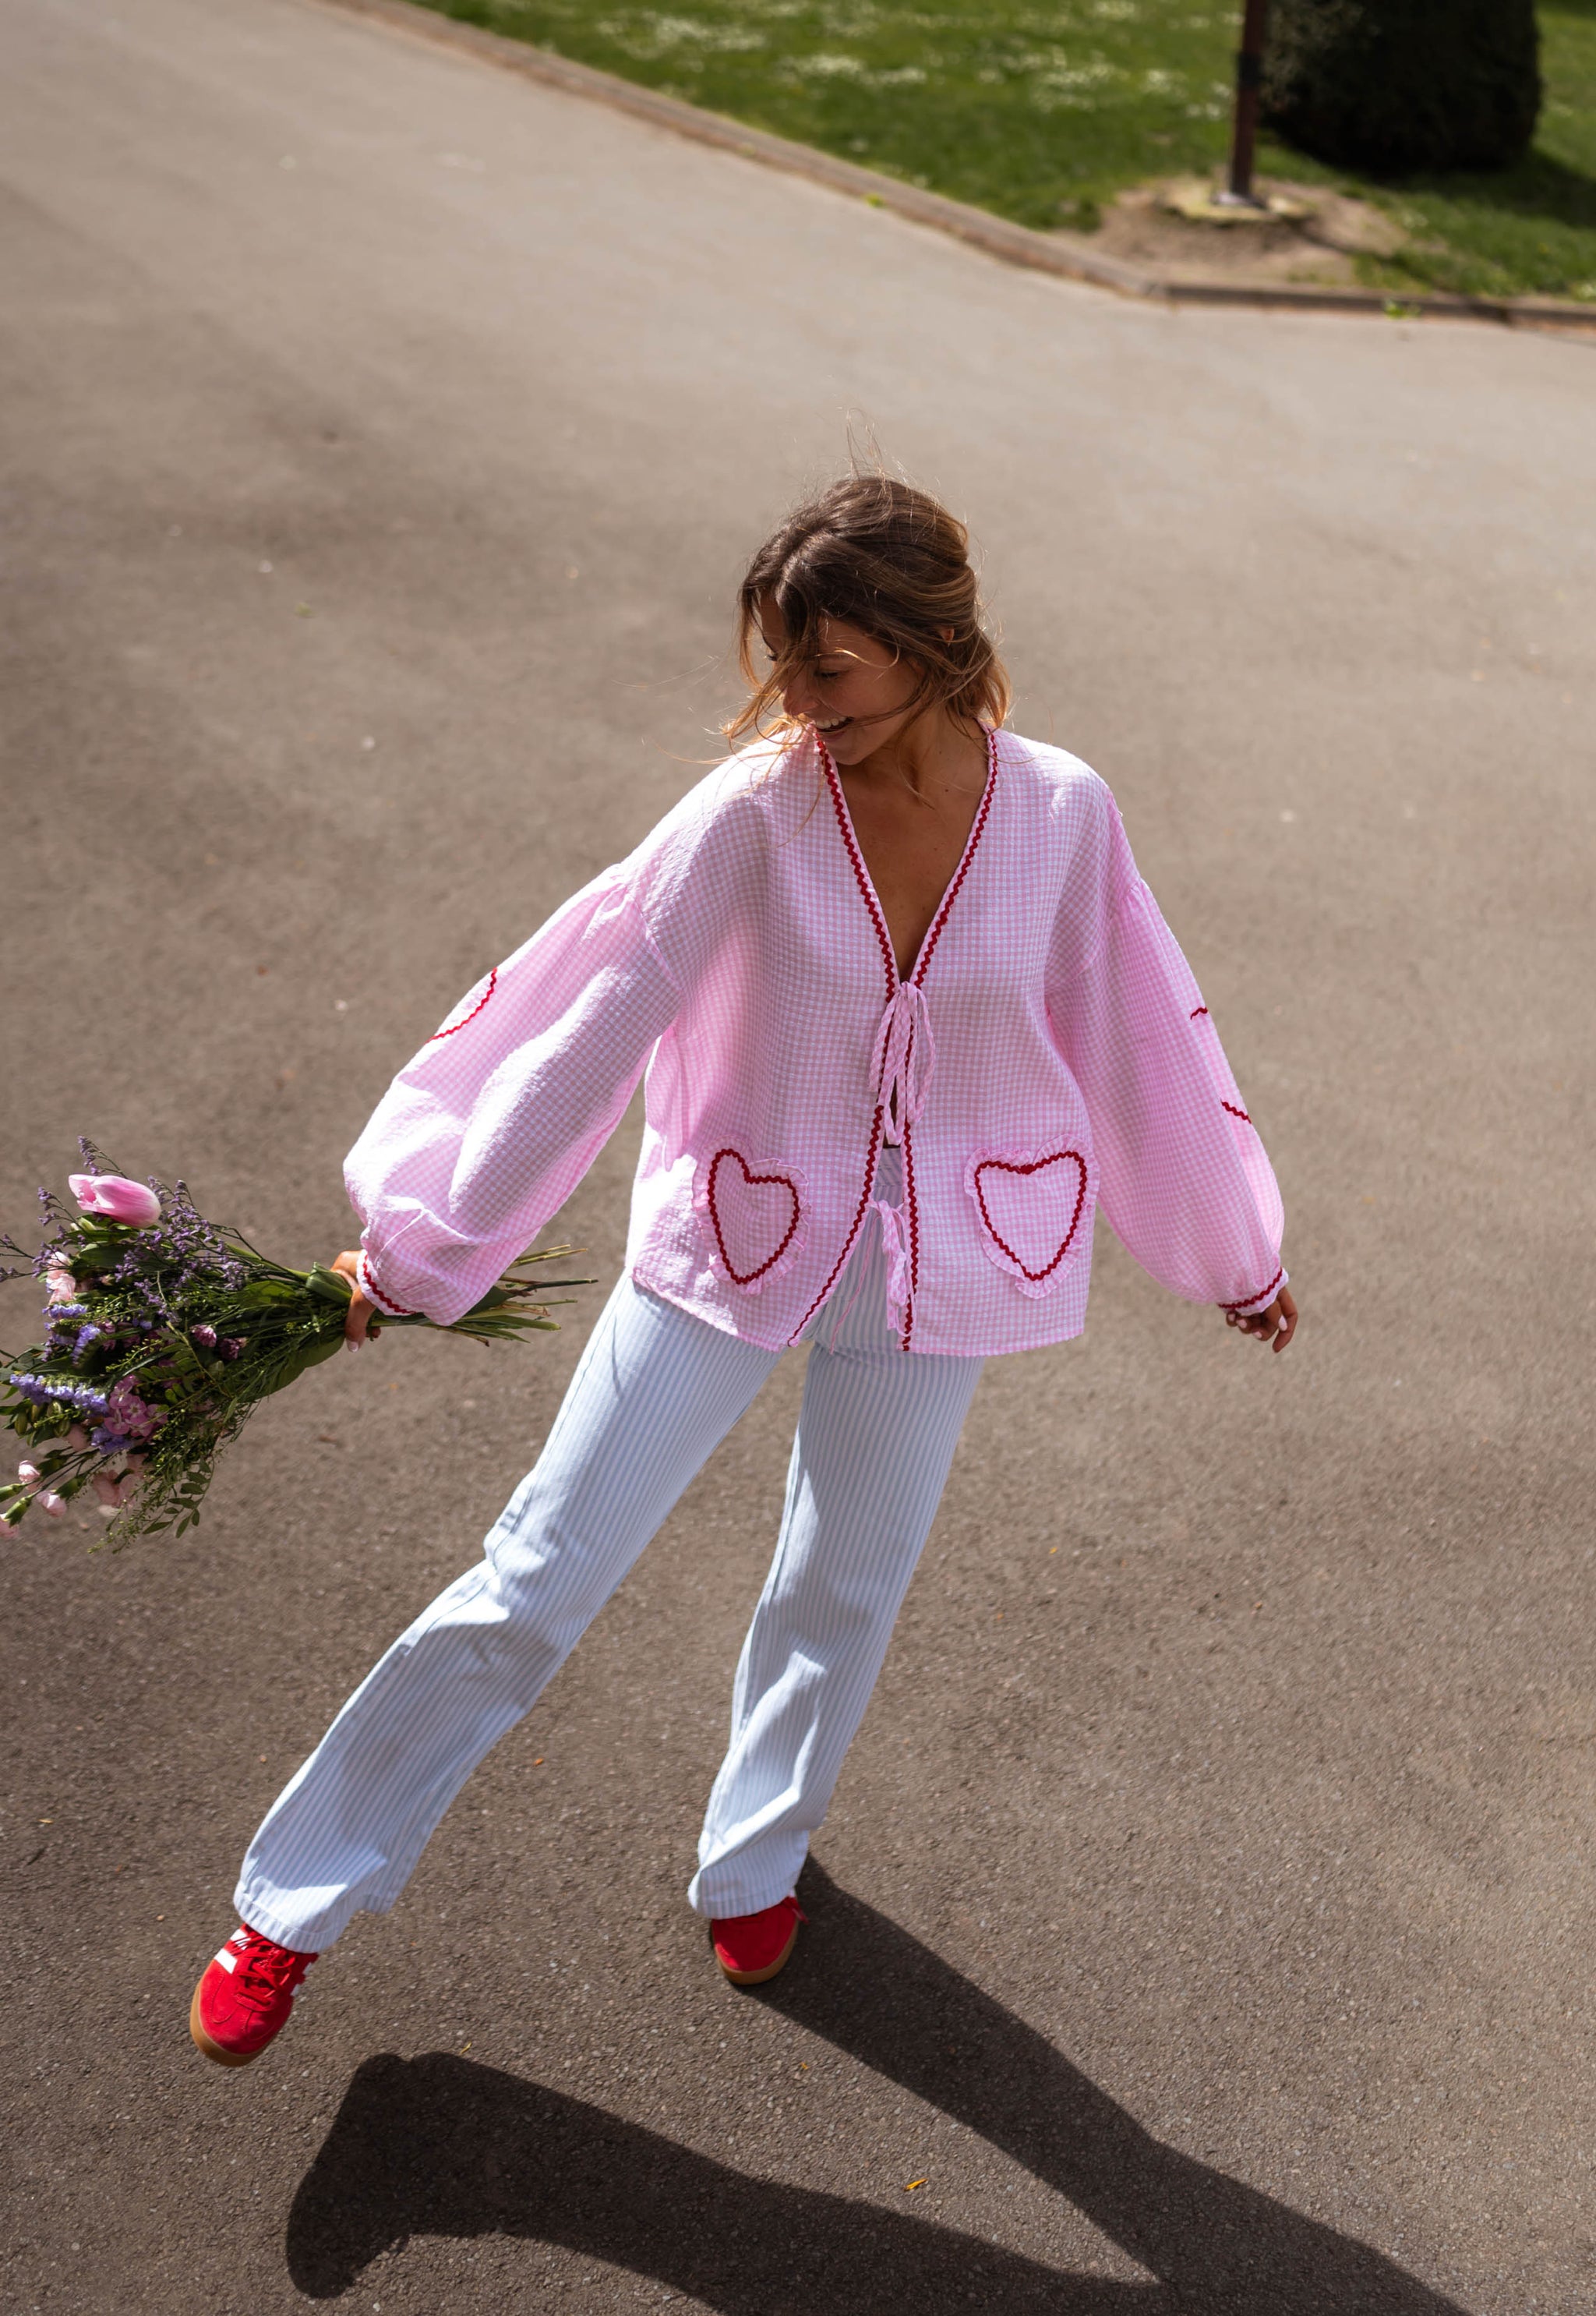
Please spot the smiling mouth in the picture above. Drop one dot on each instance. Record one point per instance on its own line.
(838, 725)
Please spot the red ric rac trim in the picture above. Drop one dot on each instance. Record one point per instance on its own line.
(914, 1210)
(1202, 1011)
(928, 946)
(477, 1008)
(395, 1310)
(913, 1204)
(860, 874)
(1011, 1166)
(1247, 1301)
(835, 1271)
(747, 1278)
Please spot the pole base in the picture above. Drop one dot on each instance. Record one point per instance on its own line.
(1202, 203)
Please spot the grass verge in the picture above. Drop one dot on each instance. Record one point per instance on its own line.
(1043, 113)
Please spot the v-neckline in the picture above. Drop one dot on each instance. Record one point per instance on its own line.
(915, 977)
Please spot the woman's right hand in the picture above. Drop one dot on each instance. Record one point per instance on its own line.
(362, 1311)
(1276, 1326)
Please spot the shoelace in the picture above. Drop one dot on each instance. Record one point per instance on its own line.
(259, 1978)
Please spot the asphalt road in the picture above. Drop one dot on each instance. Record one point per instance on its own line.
(1206, 1911)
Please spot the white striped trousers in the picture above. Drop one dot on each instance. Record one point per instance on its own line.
(655, 1394)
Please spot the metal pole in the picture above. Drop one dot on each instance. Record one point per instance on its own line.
(1249, 75)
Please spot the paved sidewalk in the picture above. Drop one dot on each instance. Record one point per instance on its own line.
(1205, 1914)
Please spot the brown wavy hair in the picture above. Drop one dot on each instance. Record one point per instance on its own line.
(892, 561)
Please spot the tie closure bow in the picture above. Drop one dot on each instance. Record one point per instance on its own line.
(904, 1061)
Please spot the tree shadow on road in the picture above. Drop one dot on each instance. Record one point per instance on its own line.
(441, 2146)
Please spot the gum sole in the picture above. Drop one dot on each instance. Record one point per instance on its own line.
(759, 1977)
(202, 2041)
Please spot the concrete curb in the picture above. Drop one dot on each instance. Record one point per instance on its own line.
(1015, 245)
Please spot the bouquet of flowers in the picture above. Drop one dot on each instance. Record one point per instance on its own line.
(164, 1333)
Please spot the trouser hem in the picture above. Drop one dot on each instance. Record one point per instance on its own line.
(728, 1897)
(293, 1931)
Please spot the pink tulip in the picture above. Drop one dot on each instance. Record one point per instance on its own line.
(29, 1476)
(50, 1502)
(116, 1197)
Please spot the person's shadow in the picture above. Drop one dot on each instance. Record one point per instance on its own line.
(441, 2146)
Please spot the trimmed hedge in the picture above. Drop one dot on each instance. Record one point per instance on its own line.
(1393, 86)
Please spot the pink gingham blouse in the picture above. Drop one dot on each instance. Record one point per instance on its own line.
(1049, 1054)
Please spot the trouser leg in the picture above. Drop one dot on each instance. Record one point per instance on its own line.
(653, 1394)
(875, 1438)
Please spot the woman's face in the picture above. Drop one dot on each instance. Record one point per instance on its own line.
(854, 692)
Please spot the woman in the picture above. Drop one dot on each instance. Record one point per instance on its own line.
(907, 1016)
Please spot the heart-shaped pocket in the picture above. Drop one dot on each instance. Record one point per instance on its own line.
(754, 1216)
(1031, 1209)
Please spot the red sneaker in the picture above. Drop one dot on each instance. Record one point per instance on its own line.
(245, 1997)
(752, 1947)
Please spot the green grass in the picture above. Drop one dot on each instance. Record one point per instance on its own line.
(1042, 113)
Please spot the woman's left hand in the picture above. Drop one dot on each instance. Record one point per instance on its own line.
(362, 1323)
(1276, 1326)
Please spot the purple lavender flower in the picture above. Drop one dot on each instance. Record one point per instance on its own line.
(86, 1336)
(44, 1392)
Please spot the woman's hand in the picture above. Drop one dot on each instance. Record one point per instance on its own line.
(1276, 1326)
(358, 1322)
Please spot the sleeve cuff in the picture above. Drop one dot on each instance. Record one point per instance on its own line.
(1261, 1301)
(374, 1293)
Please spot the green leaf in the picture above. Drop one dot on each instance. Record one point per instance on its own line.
(331, 1285)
